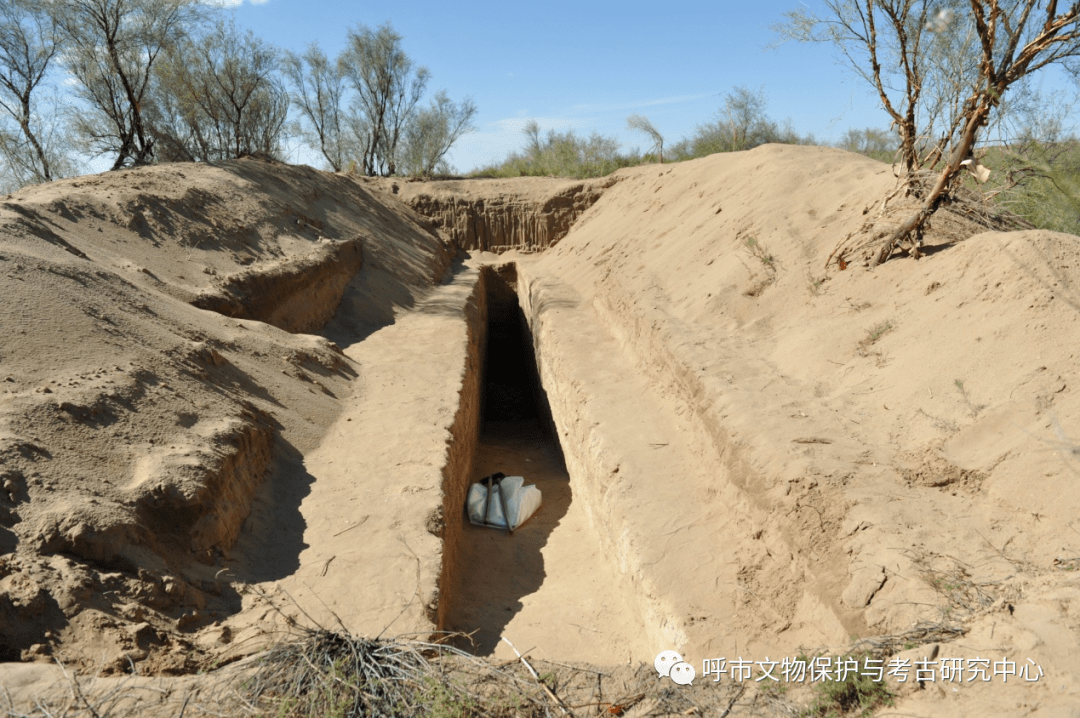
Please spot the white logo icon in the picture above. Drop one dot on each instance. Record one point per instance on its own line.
(683, 674)
(665, 660)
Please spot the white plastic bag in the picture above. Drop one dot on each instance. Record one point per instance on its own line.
(521, 502)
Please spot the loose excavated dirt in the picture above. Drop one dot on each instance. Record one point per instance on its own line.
(241, 397)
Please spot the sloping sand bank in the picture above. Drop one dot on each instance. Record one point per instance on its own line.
(777, 458)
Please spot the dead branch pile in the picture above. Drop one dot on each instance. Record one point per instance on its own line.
(328, 673)
(966, 211)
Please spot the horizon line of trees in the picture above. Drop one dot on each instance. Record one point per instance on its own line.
(1036, 168)
(741, 123)
(175, 80)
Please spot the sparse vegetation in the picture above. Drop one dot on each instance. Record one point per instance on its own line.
(972, 407)
(326, 673)
(855, 695)
(740, 124)
(871, 142)
(877, 332)
(761, 254)
(1037, 180)
(768, 262)
(815, 285)
(941, 423)
(562, 154)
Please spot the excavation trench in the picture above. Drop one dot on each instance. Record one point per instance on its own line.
(549, 586)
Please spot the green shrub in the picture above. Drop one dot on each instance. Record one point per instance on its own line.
(1038, 181)
(562, 154)
(856, 695)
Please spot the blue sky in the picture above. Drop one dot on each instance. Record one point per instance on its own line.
(587, 66)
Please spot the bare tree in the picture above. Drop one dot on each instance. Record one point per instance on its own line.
(28, 44)
(112, 47)
(640, 122)
(387, 91)
(869, 33)
(892, 44)
(317, 93)
(433, 130)
(221, 93)
(744, 114)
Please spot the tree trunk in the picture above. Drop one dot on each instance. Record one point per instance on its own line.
(916, 221)
(24, 123)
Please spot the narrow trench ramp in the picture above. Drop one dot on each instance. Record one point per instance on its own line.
(549, 588)
(371, 555)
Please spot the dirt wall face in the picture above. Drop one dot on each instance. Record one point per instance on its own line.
(298, 295)
(458, 471)
(530, 214)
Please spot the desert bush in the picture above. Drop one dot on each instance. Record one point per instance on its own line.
(855, 695)
(562, 154)
(871, 142)
(1038, 181)
(740, 124)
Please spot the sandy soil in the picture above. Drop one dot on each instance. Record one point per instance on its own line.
(865, 450)
(549, 587)
(237, 398)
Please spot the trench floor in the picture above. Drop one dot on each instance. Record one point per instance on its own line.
(338, 536)
(548, 587)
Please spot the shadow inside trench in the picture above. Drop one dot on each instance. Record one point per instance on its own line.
(496, 570)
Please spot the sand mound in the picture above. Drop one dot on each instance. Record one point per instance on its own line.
(857, 451)
(135, 428)
(754, 454)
